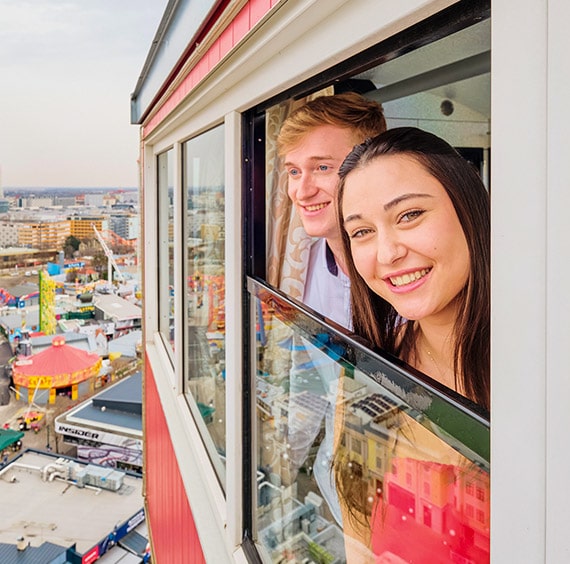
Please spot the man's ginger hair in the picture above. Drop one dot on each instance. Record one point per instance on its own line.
(364, 117)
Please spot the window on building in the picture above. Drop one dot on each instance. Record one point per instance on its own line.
(165, 176)
(324, 387)
(203, 177)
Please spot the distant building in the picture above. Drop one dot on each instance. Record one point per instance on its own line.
(95, 200)
(8, 234)
(82, 226)
(36, 201)
(43, 234)
(65, 201)
(107, 428)
(25, 257)
(125, 225)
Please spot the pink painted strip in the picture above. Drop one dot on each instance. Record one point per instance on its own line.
(258, 9)
(242, 24)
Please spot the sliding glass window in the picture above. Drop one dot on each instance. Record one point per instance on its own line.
(203, 173)
(166, 248)
(356, 458)
(357, 455)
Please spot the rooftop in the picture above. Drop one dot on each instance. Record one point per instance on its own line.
(58, 511)
(117, 308)
(118, 407)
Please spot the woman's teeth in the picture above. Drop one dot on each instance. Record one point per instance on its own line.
(408, 278)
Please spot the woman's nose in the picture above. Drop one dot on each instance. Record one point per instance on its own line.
(389, 248)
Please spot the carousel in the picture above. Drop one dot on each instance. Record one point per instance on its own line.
(58, 370)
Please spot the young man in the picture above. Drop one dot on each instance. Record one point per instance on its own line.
(313, 142)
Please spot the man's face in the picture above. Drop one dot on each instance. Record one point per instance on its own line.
(312, 168)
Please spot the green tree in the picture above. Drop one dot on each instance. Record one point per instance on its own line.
(99, 262)
(71, 245)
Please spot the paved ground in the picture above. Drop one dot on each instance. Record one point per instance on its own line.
(45, 439)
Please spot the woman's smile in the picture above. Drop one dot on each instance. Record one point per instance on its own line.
(405, 236)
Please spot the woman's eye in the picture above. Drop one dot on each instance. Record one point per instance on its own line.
(293, 172)
(411, 215)
(358, 233)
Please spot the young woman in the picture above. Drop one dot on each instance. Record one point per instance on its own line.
(415, 223)
(414, 217)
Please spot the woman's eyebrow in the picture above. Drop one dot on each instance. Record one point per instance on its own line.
(352, 217)
(389, 205)
(392, 203)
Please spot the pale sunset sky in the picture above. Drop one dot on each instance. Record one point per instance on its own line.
(67, 69)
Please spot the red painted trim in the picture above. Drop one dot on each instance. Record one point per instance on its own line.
(240, 26)
(169, 516)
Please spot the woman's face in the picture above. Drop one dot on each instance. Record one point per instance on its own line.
(405, 236)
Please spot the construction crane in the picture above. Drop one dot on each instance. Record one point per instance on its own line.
(109, 255)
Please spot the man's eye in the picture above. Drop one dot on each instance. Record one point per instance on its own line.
(323, 168)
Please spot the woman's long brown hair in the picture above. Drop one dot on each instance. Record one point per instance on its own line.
(374, 318)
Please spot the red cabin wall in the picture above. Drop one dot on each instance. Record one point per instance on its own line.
(173, 532)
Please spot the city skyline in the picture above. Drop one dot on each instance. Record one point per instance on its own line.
(50, 189)
(67, 71)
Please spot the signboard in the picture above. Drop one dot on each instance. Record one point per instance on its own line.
(117, 534)
(39, 382)
(91, 555)
(97, 435)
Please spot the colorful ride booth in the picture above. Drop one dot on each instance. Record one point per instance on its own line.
(58, 370)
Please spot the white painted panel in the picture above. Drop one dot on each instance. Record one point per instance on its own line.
(557, 277)
(518, 277)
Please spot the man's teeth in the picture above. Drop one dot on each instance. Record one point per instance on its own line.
(316, 207)
(407, 278)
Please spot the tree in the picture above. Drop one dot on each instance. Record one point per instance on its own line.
(71, 245)
(99, 262)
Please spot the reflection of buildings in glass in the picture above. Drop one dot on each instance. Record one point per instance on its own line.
(206, 307)
(439, 508)
(206, 379)
(273, 353)
(267, 395)
(441, 496)
(447, 505)
(300, 534)
(285, 448)
(290, 528)
(206, 224)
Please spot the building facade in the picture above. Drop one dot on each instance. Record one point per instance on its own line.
(43, 234)
(223, 325)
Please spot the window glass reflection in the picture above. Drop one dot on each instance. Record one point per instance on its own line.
(166, 247)
(351, 464)
(205, 285)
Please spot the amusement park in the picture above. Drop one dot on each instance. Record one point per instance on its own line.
(61, 337)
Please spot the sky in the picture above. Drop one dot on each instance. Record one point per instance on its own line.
(67, 70)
